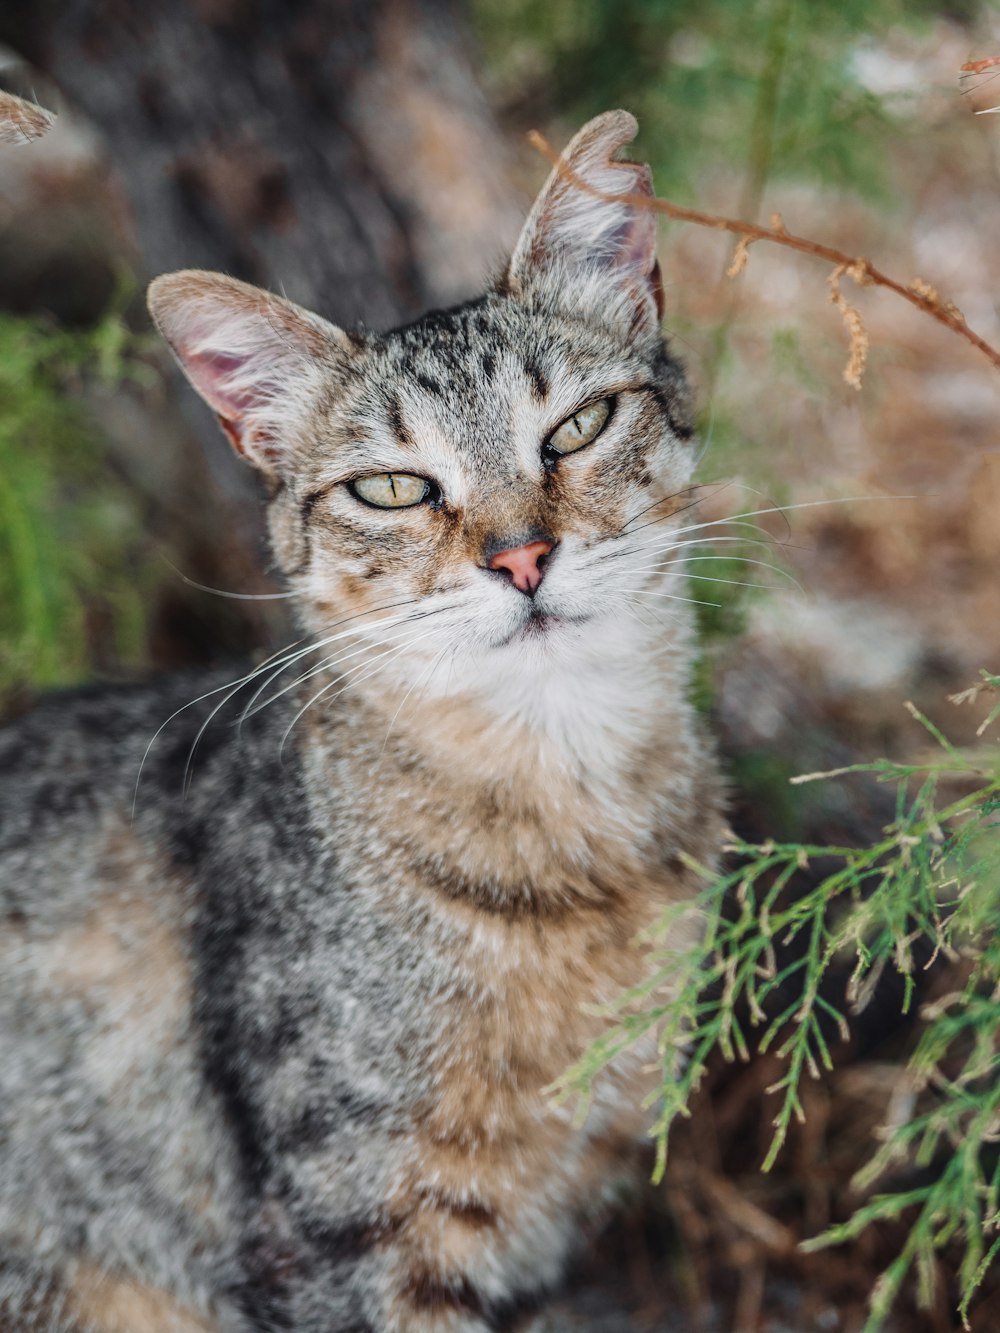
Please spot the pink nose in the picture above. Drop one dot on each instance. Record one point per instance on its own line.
(522, 563)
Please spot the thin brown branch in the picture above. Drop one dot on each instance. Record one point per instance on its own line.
(918, 293)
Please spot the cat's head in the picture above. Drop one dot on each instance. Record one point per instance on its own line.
(470, 486)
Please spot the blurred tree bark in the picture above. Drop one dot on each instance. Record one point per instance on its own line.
(338, 151)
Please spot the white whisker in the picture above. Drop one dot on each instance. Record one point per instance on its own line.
(333, 638)
(421, 680)
(667, 547)
(695, 601)
(223, 592)
(713, 539)
(186, 784)
(280, 659)
(230, 685)
(359, 631)
(700, 559)
(327, 664)
(804, 504)
(248, 711)
(707, 578)
(644, 616)
(334, 660)
(722, 522)
(390, 653)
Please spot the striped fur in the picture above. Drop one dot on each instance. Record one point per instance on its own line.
(274, 1050)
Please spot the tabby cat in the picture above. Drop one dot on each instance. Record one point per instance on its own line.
(277, 1020)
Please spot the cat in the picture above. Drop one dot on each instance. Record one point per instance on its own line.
(278, 1016)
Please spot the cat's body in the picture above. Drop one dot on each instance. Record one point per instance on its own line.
(274, 1051)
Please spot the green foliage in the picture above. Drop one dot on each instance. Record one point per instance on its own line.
(772, 948)
(69, 533)
(770, 87)
(729, 96)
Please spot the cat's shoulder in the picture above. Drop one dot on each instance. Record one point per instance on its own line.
(72, 752)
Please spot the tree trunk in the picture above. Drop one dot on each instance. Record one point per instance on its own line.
(340, 151)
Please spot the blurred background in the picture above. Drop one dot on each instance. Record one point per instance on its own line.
(369, 160)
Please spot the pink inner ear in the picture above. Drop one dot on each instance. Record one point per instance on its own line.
(213, 372)
(634, 242)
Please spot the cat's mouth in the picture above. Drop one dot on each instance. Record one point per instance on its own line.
(538, 624)
(541, 622)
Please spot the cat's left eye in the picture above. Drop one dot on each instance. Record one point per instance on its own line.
(390, 490)
(581, 428)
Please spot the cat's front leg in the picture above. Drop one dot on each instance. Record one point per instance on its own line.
(381, 1276)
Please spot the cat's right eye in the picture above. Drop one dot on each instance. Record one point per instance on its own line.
(582, 428)
(390, 490)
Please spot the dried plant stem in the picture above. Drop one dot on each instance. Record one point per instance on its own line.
(918, 293)
(856, 330)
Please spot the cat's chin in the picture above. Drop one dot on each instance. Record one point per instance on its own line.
(540, 625)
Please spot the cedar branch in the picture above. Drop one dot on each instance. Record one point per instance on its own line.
(918, 293)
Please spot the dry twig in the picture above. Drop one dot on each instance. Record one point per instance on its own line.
(856, 330)
(918, 293)
(740, 256)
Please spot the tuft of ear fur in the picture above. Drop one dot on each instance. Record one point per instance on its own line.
(256, 359)
(22, 121)
(589, 249)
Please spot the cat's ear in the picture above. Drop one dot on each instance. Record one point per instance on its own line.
(256, 359)
(578, 241)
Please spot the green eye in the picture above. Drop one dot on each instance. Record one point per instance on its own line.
(390, 490)
(581, 428)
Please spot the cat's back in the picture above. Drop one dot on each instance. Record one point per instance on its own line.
(119, 805)
(84, 765)
(105, 1114)
(76, 756)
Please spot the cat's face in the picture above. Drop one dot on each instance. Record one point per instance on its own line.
(445, 460)
(469, 486)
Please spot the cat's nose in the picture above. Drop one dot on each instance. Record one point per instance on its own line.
(524, 564)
